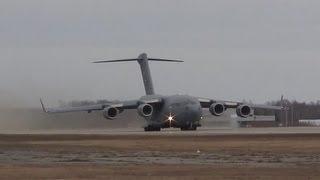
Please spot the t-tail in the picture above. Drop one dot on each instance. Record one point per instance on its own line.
(143, 61)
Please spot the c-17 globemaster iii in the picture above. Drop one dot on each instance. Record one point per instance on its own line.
(178, 111)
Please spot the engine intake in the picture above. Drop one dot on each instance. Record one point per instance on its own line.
(145, 110)
(217, 109)
(110, 113)
(244, 111)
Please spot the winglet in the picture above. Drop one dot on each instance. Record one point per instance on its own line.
(43, 107)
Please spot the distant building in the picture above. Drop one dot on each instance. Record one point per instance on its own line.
(309, 122)
(230, 119)
(258, 121)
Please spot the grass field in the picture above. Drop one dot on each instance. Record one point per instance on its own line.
(292, 156)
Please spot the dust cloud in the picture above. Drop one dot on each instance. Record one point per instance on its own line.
(17, 115)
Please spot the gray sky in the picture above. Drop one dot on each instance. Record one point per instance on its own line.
(233, 49)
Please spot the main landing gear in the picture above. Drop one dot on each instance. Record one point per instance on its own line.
(189, 128)
(152, 128)
(183, 128)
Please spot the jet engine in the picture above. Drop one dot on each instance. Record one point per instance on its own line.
(217, 109)
(110, 113)
(145, 110)
(244, 111)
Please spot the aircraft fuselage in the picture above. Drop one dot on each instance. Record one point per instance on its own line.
(179, 111)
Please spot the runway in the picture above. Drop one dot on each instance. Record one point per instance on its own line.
(174, 131)
(210, 153)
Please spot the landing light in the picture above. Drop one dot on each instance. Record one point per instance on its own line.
(170, 118)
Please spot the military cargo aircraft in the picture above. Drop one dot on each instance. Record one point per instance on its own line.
(177, 111)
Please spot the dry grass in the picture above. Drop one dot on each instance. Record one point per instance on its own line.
(186, 172)
(230, 146)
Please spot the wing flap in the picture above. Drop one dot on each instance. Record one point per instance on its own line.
(131, 104)
(75, 109)
(205, 103)
(257, 106)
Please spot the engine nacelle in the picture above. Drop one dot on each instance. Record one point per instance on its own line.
(145, 110)
(244, 111)
(217, 109)
(110, 113)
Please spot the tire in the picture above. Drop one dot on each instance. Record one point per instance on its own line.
(193, 128)
(151, 128)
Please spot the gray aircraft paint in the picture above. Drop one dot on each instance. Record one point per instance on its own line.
(146, 75)
(185, 110)
(180, 111)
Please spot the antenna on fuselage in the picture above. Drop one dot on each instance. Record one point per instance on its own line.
(145, 70)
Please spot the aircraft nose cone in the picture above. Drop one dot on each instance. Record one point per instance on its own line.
(189, 115)
(193, 114)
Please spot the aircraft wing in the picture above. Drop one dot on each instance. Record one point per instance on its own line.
(132, 104)
(205, 103)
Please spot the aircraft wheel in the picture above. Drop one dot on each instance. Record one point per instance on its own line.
(151, 128)
(193, 128)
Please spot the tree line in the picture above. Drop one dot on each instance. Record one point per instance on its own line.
(293, 111)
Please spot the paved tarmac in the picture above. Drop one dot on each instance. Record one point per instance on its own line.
(175, 131)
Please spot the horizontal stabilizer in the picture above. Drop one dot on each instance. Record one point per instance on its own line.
(167, 60)
(137, 59)
(118, 60)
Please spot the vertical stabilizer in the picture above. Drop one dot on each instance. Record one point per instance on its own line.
(146, 75)
(143, 61)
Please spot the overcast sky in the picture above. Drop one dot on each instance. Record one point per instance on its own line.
(233, 50)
